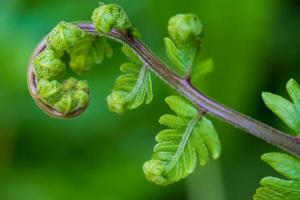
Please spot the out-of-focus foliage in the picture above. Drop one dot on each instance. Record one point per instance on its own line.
(255, 46)
(288, 111)
(274, 188)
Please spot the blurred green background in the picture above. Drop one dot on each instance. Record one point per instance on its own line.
(98, 155)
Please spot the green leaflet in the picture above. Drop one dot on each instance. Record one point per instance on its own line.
(189, 138)
(182, 58)
(133, 87)
(176, 56)
(279, 189)
(288, 111)
(201, 68)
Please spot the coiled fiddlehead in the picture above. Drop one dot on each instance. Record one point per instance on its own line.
(80, 46)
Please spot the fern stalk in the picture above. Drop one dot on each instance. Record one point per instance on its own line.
(184, 87)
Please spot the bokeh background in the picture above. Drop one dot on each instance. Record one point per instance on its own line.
(99, 155)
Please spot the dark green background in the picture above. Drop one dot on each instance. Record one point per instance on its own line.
(98, 155)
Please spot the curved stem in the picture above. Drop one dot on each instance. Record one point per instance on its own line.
(184, 87)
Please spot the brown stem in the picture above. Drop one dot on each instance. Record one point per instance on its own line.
(184, 87)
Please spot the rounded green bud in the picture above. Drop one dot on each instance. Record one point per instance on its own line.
(79, 93)
(185, 28)
(65, 98)
(153, 170)
(49, 92)
(116, 102)
(82, 98)
(47, 88)
(69, 84)
(82, 85)
(107, 17)
(47, 66)
(65, 104)
(65, 36)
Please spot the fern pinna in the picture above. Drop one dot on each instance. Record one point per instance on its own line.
(190, 136)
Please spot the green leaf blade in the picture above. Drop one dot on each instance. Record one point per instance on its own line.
(284, 164)
(284, 109)
(176, 56)
(133, 87)
(276, 188)
(178, 148)
(181, 106)
(200, 69)
(207, 131)
(293, 89)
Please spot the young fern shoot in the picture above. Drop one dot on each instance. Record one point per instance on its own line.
(190, 136)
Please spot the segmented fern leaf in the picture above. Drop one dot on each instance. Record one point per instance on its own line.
(133, 87)
(276, 188)
(288, 111)
(190, 137)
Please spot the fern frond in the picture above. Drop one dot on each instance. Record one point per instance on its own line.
(190, 137)
(288, 111)
(133, 87)
(184, 47)
(276, 188)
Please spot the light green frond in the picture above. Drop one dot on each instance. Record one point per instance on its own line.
(276, 188)
(287, 111)
(189, 138)
(133, 87)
